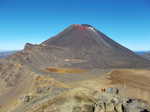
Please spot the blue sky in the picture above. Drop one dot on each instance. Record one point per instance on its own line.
(125, 21)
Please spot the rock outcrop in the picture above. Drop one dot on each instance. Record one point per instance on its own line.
(85, 100)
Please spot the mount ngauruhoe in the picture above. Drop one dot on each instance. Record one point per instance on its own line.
(80, 46)
(79, 56)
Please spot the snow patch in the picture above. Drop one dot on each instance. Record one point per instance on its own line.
(91, 28)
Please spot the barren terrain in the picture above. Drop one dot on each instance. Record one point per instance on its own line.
(78, 60)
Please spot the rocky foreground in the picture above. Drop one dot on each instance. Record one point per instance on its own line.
(85, 100)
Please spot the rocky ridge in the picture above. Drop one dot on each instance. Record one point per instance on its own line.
(85, 100)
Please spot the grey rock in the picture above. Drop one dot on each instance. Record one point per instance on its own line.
(27, 99)
(112, 90)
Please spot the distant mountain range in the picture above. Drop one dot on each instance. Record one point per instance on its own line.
(4, 54)
(141, 52)
(145, 54)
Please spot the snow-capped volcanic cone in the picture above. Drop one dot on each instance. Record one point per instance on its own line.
(93, 49)
(81, 46)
